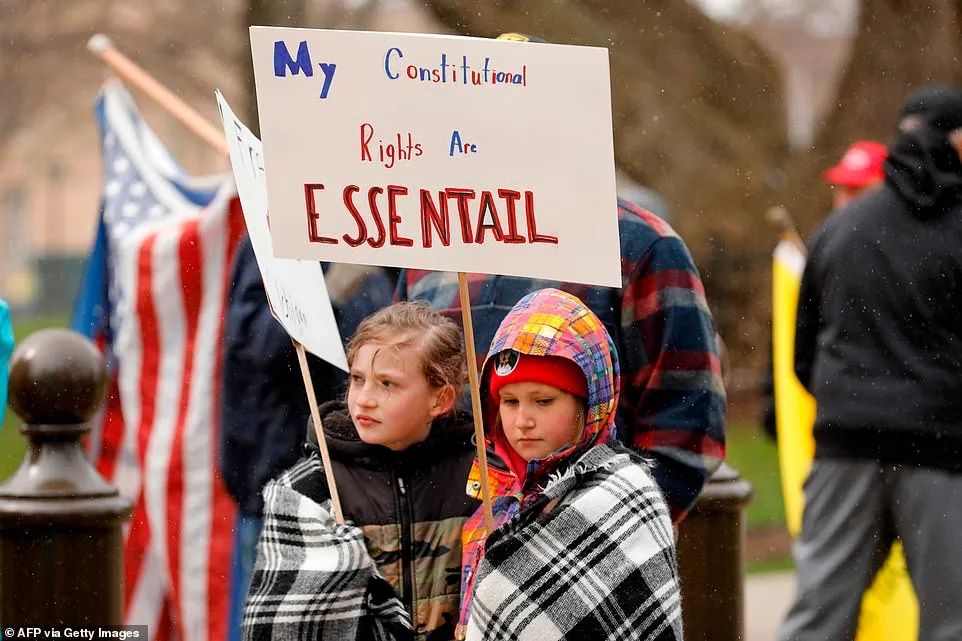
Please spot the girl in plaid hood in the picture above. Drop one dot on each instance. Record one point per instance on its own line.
(583, 546)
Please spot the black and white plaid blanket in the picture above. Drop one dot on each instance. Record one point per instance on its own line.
(597, 563)
(313, 578)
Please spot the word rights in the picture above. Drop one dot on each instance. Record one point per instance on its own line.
(438, 152)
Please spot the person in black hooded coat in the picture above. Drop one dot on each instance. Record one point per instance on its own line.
(879, 343)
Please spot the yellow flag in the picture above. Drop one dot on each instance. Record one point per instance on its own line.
(889, 608)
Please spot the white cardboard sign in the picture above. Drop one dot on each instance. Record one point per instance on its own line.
(439, 152)
(295, 288)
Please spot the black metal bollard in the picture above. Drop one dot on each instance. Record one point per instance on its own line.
(711, 560)
(61, 544)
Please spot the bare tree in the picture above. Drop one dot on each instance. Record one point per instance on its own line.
(697, 115)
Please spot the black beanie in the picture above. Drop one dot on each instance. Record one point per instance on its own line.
(940, 107)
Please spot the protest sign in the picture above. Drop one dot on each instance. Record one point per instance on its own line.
(439, 152)
(295, 288)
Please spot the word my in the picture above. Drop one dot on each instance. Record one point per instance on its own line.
(283, 62)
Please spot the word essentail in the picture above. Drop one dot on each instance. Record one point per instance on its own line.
(476, 214)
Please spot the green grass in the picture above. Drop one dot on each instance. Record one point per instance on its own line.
(12, 446)
(23, 327)
(12, 442)
(768, 566)
(755, 457)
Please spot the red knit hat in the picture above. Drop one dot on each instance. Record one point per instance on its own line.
(510, 366)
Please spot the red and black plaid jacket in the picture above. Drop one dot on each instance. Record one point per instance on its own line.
(672, 406)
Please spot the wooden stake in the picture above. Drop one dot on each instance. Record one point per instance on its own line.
(779, 215)
(319, 430)
(101, 46)
(475, 400)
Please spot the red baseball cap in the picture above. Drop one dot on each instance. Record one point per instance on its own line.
(860, 166)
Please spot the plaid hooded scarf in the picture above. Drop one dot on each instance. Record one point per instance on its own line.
(583, 547)
(314, 578)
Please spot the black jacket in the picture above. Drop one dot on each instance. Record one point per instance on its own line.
(263, 402)
(879, 333)
(411, 506)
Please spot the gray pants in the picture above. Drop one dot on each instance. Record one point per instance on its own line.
(854, 510)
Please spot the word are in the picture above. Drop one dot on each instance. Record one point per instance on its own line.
(460, 147)
(451, 72)
(390, 152)
(283, 62)
(476, 214)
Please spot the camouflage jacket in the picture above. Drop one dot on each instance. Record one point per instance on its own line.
(410, 505)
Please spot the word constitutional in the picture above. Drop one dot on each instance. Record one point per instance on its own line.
(477, 215)
(445, 72)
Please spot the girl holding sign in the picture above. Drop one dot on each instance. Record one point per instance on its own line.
(583, 546)
(400, 454)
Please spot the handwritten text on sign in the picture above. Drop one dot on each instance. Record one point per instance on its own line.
(439, 152)
(295, 289)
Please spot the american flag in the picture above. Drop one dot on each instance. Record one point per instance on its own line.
(154, 297)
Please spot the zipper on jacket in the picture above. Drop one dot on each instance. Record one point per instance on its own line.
(407, 563)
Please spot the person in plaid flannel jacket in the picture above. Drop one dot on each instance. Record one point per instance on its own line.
(672, 406)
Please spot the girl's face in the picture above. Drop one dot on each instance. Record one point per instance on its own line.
(390, 400)
(539, 419)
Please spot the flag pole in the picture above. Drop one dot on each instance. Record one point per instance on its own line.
(127, 69)
(779, 215)
(472, 357)
(101, 46)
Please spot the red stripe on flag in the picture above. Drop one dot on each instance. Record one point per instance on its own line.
(223, 510)
(111, 432)
(150, 346)
(135, 548)
(164, 626)
(137, 545)
(189, 253)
